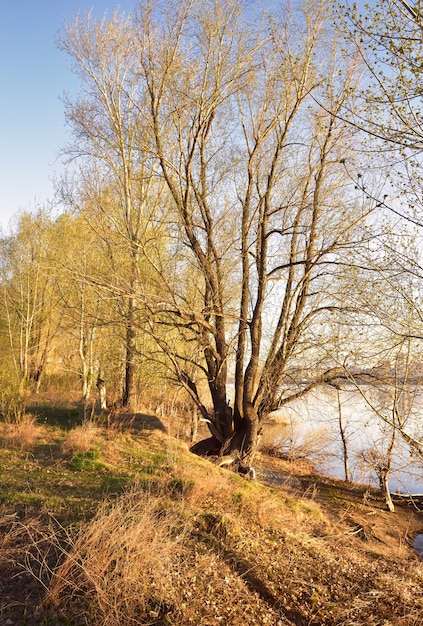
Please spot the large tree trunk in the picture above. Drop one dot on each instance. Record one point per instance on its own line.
(129, 391)
(236, 451)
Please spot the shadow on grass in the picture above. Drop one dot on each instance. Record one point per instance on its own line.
(144, 421)
(64, 416)
(72, 415)
(71, 499)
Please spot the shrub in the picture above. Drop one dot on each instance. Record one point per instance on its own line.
(11, 403)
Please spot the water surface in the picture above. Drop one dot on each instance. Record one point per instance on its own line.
(311, 423)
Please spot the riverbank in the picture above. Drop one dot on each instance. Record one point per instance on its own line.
(121, 524)
(358, 509)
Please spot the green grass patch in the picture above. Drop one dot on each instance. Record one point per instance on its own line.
(88, 461)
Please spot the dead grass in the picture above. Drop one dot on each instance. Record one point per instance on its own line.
(287, 441)
(22, 434)
(82, 438)
(8, 532)
(119, 567)
(229, 552)
(192, 544)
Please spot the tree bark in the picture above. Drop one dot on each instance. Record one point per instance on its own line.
(384, 487)
(344, 441)
(129, 391)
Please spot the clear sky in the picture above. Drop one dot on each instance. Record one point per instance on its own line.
(33, 76)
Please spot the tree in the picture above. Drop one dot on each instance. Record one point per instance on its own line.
(206, 112)
(240, 142)
(390, 395)
(116, 181)
(388, 38)
(30, 297)
(79, 299)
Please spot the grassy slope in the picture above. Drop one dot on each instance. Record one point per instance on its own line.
(125, 526)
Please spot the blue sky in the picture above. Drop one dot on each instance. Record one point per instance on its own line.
(33, 77)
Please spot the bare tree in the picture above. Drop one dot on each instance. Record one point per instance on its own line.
(206, 113)
(253, 169)
(388, 38)
(116, 181)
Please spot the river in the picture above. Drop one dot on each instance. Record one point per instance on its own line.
(310, 426)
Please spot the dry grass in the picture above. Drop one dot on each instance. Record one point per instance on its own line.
(82, 438)
(8, 533)
(141, 560)
(119, 566)
(288, 441)
(22, 434)
(192, 544)
(150, 559)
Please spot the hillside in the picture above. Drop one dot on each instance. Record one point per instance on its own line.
(120, 524)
